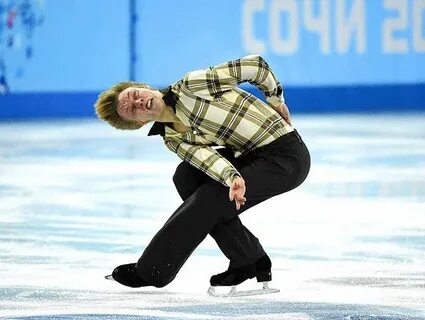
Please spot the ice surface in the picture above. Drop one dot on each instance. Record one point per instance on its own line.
(78, 198)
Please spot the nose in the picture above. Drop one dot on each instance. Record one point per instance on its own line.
(139, 102)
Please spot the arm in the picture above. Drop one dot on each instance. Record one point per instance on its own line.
(213, 164)
(253, 69)
(256, 71)
(205, 159)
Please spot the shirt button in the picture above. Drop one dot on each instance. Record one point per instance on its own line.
(195, 132)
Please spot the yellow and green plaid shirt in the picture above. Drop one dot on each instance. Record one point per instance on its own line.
(218, 112)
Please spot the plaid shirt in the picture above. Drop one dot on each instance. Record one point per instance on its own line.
(220, 113)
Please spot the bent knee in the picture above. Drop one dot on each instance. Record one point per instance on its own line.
(186, 180)
(182, 173)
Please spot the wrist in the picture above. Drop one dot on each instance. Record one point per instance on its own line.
(231, 178)
(236, 175)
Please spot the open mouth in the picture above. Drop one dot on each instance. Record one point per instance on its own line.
(149, 103)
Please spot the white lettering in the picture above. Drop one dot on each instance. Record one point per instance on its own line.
(251, 44)
(390, 43)
(319, 24)
(418, 25)
(346, 26)
(279, 45)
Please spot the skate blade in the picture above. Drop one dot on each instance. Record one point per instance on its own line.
(109, 277)
(243, 293)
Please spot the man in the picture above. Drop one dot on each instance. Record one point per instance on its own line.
(263, 156)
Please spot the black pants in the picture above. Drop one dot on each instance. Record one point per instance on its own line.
(268, 171)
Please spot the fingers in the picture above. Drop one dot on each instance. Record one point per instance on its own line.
(234, 196)
(239, 202)
(237, 191)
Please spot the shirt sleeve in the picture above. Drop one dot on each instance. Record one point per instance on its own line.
(253, 69)
(205, 159)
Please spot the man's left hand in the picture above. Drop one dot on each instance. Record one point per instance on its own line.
(284, 112)
(237, 192)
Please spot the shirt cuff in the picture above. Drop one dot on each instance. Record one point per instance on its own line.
(275, 101)
(229, 180)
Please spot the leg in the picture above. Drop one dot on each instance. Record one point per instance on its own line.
(271, 171)
(293, 163)
(183, 232)
(187, 179)
(236, 242)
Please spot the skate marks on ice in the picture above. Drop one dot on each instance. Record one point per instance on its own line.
(252, 308)
(377, 282)
(248, 310)
(62, 216)
(152, 304)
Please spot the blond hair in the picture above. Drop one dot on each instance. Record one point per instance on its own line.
(107, 103)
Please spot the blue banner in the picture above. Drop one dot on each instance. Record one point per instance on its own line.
(63, 45)
(329, 54)
(307, 42)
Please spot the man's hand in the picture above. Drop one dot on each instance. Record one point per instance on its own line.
(237, 192)
(284, 112)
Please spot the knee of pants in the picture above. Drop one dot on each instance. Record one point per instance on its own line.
(180, 179)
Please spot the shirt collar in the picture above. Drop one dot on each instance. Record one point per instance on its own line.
(170, 99)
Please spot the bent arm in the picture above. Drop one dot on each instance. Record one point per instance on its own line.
(253, 69)
(205, 159)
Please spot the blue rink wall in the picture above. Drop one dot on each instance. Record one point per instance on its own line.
(350, 99)
(331, 55)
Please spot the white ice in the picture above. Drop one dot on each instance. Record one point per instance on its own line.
(78, 198)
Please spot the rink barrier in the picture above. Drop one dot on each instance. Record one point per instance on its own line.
(347, 99)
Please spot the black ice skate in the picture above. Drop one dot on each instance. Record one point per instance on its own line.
(127, 276)
(261, 269)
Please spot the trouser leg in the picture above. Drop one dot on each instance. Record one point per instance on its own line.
(183, 232)
(267, 174)
(236, 242)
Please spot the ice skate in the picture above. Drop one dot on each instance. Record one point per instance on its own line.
(127, 276)
(232, 277)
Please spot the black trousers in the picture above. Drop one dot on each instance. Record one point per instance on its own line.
(268, 171)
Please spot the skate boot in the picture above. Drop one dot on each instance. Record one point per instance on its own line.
(261, 269)
(233, 276)
(127, 276)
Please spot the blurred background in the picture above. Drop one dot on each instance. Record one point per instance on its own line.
(331, 55)
(78, 197)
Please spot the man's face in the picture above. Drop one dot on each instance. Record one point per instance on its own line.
(139, 104)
